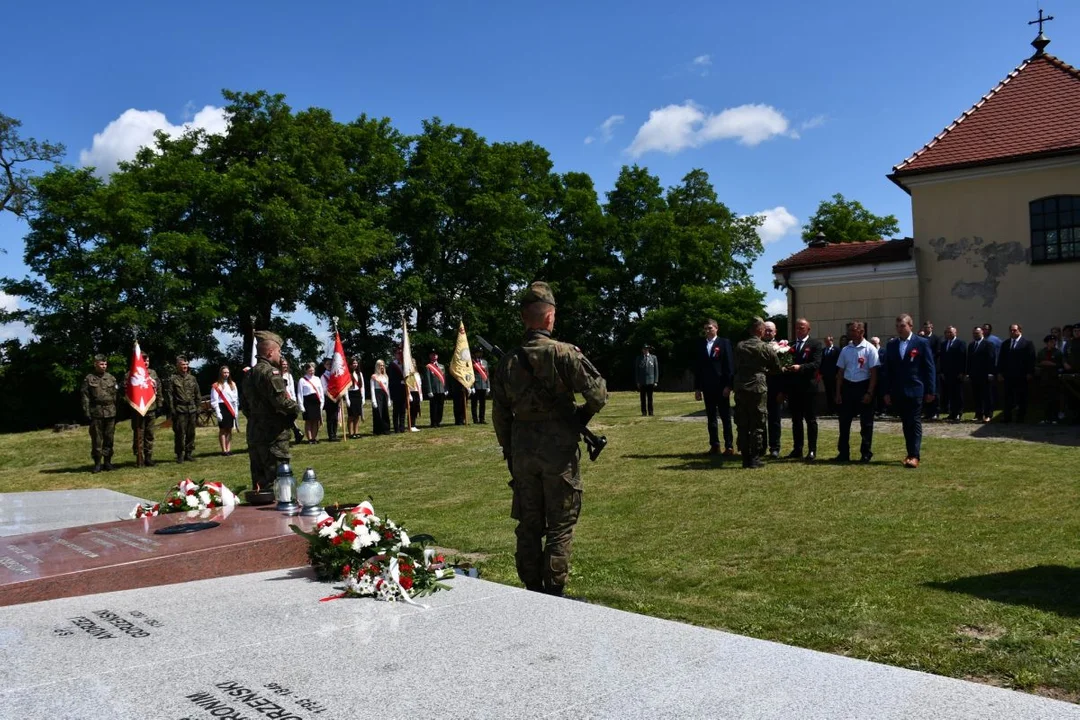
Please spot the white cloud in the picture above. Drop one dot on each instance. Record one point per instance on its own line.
(16, 330)
(677, 127)
(776, 306)
(703, 61)
(589, 140)
(134, 129)
(607, 128)
(816, 121)
(778, 223)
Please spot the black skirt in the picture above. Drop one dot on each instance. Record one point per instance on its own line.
(227, 421)
(312, 411)
(356, 404)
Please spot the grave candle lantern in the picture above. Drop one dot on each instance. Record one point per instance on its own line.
(310, 494)
(285, 489)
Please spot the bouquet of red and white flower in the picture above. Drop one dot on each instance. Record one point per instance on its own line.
(189, 496)
(374, 556)
(787, 357)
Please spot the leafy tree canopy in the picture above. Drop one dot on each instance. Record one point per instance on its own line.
(845, 220)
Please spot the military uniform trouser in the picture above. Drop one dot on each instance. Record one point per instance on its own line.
(479, 406)
(264, 454)
(183, 425)
(547, 502)
(751, 417)
(101, 438)
(145, 423)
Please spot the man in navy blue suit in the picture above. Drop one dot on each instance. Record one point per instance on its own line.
(1016, 368)
(714, 373)
(981, 369)
(910, 379)
(953, 368)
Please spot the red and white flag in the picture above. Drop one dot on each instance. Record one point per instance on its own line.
(140, 389)
(340, 378)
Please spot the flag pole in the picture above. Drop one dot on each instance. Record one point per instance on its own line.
(408, 392)
(340, 405)
(140, 455)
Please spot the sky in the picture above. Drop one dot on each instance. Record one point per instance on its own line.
(783, 103)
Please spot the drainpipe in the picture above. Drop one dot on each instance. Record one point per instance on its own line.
(791, 294)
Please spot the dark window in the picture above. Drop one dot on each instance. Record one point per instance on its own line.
(1055, 229)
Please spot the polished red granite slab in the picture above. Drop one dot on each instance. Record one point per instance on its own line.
(126, 554)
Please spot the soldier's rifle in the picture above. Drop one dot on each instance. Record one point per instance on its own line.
(594, 443)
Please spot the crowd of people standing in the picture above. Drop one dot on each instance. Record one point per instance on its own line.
(396, 403)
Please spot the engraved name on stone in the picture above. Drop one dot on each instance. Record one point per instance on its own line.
(14, 565)
(109, 625)
(143, 544)
(23, 555)
(230, 699)
(77, 548)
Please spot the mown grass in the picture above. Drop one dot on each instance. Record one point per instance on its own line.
(967, 567)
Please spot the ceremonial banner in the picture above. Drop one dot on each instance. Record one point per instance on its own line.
(461, 363)
(407, 367)
(140, 389)
(340, 378)
(254, 356)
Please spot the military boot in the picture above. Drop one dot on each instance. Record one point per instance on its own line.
(556, 590)
(189, 458)
(97, 467)
(534, 587)
(148, 461)
(179, 459)
(107, 466)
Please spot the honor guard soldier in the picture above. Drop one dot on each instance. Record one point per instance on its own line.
(481, 385)
(435, 388)
(270, 410)
(99, 390)
(183, 401)
(145, 423)
(754, 360)
(537, 424)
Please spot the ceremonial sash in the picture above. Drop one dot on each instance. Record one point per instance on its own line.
(224, 399)
(356, 381)
(313, 386)
(383, 385)
(438, 373)
(480, 370)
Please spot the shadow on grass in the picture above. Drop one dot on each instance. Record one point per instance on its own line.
(1053, 588)
(1063, 434)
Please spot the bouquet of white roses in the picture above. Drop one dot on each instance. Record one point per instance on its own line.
(189, 496)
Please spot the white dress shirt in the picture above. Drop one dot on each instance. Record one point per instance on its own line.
(849, 361)
(309, 385)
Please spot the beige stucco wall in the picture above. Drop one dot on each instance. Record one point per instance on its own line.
(829, 308)
(972, 249)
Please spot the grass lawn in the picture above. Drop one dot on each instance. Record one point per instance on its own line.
(968, 566)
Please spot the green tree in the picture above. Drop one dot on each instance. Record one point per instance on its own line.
(17, 157)
(845, 220)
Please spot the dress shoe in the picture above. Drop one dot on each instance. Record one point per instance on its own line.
(794, 455)
(774, 454)
(865, 459)
(911, 463)
(841, 459)
(729, 453)
(811, 456)
(714, 449)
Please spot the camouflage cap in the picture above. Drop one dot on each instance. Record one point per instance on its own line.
(538, 292)
(100, 358)
(267, 336)
(181, 358)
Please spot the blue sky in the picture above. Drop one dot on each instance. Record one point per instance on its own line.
(783, 103)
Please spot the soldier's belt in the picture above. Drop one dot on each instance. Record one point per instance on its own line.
(544, 417)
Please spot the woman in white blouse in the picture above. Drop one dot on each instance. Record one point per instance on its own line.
(380, 400)
(225, 401)
(309, 393)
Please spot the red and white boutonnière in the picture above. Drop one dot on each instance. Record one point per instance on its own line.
(862, 361)
(914, 353)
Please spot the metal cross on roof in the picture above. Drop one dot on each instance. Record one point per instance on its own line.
(1041, 20)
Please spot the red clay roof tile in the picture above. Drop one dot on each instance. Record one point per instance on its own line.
(868, 252)
(1033, 112)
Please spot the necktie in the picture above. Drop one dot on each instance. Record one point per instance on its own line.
(948, 346)
(1013, 345)
(798, 347)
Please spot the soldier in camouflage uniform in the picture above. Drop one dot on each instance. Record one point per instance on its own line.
(270, 412)
(146, 422)
(754, 360)
(99, 391)
(537, 424)
(1048, 364)
(184, 400)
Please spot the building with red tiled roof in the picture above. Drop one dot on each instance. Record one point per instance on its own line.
(995, 204)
